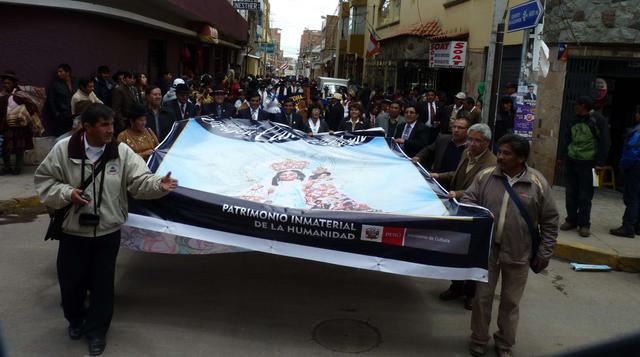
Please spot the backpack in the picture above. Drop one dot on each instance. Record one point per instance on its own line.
(584, 140)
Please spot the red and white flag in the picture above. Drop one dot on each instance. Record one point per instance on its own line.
(373, 46)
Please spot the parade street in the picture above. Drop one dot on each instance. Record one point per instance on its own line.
(253, 304)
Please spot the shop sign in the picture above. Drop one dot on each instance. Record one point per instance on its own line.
(451, 54)
(251, 5)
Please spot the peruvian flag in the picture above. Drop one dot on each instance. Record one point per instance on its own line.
(373, 46)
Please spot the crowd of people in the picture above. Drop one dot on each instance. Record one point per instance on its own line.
(474, 163)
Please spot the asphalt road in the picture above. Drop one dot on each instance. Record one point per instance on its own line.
(254, 304)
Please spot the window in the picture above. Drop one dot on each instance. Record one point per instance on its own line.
(357, 20)
(388, 11)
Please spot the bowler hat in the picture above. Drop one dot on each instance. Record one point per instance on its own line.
(9, 74)
(136, 111)
(182, 88)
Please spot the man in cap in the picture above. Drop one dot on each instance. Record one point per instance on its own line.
(335, 112)
(454, 111)
(219, 108)
(181, 107)
(588, 147)
(171, 93)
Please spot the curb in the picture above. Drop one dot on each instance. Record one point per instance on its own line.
(18, 203)
(588, 254)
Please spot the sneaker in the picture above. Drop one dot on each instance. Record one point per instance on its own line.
(584, 232)
(567, 226)
(477, 350)
(621, 232)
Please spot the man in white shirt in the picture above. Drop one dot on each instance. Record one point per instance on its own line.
(84, 93)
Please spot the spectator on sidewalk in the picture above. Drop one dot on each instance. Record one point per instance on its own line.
(59, 98)
(140, 87)
(630, 164)
(475, 158)
(588, 147)
(85, 92)
(171, 93)
(512, 250)
(159, 118)
(165, 81)
(505, 118)
(123, 98)
(140, 139)
(19, 122)
(90, 237)
(445, 153)
(103, 85)
(432, 114)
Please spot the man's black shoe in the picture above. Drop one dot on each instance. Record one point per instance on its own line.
(75, 332)
(468, 303)
(96, 346)
(621, 232)
(450, 295)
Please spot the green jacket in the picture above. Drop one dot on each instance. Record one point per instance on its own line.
(588, 139)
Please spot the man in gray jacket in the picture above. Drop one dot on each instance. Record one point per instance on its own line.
(91, 230)
(512, 249)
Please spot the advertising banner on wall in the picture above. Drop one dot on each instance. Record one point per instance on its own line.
(343, 199)
(451, 54)
(525, 110)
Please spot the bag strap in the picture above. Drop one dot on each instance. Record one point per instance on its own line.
(535, 235)
(83, 186)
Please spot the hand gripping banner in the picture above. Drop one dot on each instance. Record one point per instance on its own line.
(344, 199)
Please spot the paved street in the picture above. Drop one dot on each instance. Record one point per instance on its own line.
(252, 304)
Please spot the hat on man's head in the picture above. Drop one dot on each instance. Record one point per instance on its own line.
(136, 111)
(219, 90)
(585, 100)
(182, 89)
(337, 96)
(177, 81)
(9, 74)
(461, 96)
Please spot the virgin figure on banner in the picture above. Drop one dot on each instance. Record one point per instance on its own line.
(290, 186)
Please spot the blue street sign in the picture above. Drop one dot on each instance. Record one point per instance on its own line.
(524, 16)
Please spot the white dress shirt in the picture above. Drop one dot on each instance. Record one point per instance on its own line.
(93, 152)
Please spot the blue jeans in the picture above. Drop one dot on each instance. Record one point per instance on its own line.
(631, 197)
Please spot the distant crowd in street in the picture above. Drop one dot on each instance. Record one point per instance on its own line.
(472, 161)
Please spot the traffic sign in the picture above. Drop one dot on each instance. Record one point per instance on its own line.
(524, 16)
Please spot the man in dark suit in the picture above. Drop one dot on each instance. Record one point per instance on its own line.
(335, 114)
(255, 111)
(219, 108)
(411, 135)
(432, 114)
(475, 158)
(159, 119)
(59, 99)
(445, 153)
(530, 95)
(288, 116)
(122, 99)
(181, 107)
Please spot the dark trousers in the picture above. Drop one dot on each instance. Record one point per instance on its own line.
(466, 287)
(88, 265)
(631, 197)
(579, 192)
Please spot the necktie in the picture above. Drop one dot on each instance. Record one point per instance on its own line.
(219, 111)
(406, 132)
(182, 110)
(432, 113)
(289, 119)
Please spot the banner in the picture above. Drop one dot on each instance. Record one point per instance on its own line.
(451, 54)
(350, 200)
(525, 110)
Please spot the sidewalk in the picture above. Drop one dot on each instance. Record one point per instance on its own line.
(601, 248)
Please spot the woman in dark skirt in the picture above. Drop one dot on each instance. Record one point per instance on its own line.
(16, 123)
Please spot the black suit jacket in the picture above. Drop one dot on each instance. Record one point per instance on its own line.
(227, 110)
(165, 122)
(334, 116)
(417, 140)
(431, 156)
(189, 112)
(423, 112)
(262, 114)
(345, 125)
(324, 127)
(296, 119)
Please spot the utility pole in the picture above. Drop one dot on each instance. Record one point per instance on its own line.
(494, 61)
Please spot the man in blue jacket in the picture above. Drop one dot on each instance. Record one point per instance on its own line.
(630, 164)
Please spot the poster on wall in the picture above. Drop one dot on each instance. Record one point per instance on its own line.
(261, 186)
(525, 110)
(452, 54)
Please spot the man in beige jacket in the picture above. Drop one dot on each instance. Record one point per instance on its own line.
(91, 230)
(512, 251)
(475, 158)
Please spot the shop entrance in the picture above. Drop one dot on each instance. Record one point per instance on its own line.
(621, 77)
